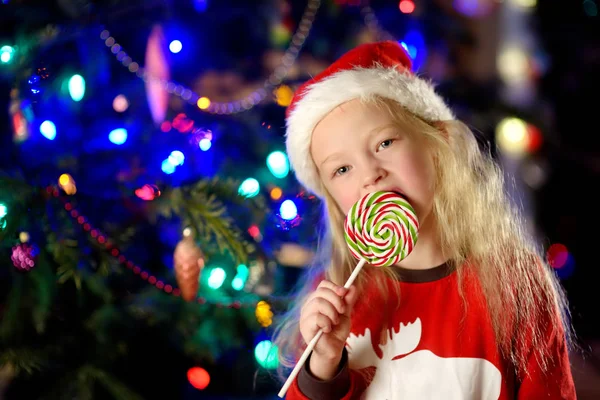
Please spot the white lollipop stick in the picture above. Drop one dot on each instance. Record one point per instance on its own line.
(313, 342)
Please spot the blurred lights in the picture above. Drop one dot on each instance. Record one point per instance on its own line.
(175, 46)
(24, 237)
(278, 164)
(6, 54)
(561, 260)
(511, 136)
(120, 103)
(249, 188)
(165, 126)
(267, 354)
(198, 377)
(534, 174)
(517, 137)
(183, 123)
(216, 278)
(167, 167)
(67, 184)
(3, 214)
(76, 87)
(204, 144)
(280, 34)
(283, 95)
(288, 210)
(254, 231)
(557, 255)
(513, 65)
(203, 103)
(263, 313)
(276, 193)
(176, 158)
(412, 50)
(239, 281)
(524, 3)
(406, 6)
(48, 130)
(64, 179)
(475, 8)
(118, 136)
(414, 44)
(590, 8)
(147, 192)
(200, 5)
(534, 138)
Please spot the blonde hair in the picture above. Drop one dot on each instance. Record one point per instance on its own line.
(479, 229)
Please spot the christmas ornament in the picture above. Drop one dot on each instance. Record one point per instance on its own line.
(188, 262)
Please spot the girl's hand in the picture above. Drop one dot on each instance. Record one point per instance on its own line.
(328, 308)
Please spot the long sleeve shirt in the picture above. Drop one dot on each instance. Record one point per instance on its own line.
(429, 346)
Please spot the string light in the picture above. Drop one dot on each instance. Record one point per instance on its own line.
(276, 193)
(67, 183)
(275, 79)
(6, 54)
(406, 6)
(263, 314)
(48, 130)
(373, 25)
(267, 354)
(198, 377)
(120, 103)
(3, 214)
(76, 85)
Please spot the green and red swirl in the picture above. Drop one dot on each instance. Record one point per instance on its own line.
(381, 228)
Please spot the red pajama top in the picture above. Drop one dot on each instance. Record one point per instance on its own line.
(432, 349)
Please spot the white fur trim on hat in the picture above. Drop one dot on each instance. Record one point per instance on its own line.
(320, 98)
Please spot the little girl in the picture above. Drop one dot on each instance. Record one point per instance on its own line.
(474, 311)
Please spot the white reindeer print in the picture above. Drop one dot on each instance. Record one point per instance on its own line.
(422, 374)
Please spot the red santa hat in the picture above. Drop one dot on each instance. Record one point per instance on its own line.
(376, 69)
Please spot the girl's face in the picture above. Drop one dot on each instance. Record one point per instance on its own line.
(357, 150)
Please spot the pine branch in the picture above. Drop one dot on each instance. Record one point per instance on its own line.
(12, 321)
(17, 196)
(119, 391)
(212, 225)
(67, 254)
(202, 207)
(80, 384)
(43, 291)
(24, 359)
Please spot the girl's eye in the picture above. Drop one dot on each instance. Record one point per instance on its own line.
(342, 170)
(386, 143)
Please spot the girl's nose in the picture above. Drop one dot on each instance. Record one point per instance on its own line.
(373, 176)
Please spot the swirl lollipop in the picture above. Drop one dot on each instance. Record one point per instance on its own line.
(381, 229)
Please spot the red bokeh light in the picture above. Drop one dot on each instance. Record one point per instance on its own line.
(406, 6)
(254, 231)
(198, 377)
(557, 255)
